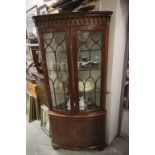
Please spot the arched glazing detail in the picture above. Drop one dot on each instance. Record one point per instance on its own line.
(56, 58)
(89, 44)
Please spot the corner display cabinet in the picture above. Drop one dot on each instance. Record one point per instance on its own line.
(74, 49)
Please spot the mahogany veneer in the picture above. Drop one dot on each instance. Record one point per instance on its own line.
(75, 128)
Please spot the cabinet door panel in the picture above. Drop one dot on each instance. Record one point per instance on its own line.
(89, 48)
(57, 67)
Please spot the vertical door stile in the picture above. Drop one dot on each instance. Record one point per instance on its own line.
(44, 65)
(104, 66)
(70, 67)
(74, 81)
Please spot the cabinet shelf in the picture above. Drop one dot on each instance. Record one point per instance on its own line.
(97, 92)
(89, 69)
(95, 50)
(62, 92)
(63, 52)
(63, 107)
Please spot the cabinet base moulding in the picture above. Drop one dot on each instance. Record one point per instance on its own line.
(100, 148)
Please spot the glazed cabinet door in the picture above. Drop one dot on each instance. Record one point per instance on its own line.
(55, 52)
(89, 57)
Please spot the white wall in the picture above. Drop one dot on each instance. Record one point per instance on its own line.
(117, 40)
(31, 3)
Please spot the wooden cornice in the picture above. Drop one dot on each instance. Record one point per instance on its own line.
(73, 19)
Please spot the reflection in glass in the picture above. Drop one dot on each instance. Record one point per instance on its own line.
(89, 44)
(56, 58)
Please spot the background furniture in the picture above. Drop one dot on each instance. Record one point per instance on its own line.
(45, 119)
(33, 46)
(32, 106)
(74, 48)
(43, 102)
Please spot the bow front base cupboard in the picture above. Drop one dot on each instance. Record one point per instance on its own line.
(74, 48)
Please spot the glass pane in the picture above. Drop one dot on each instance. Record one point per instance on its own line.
(89, 44)
(55, 48)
